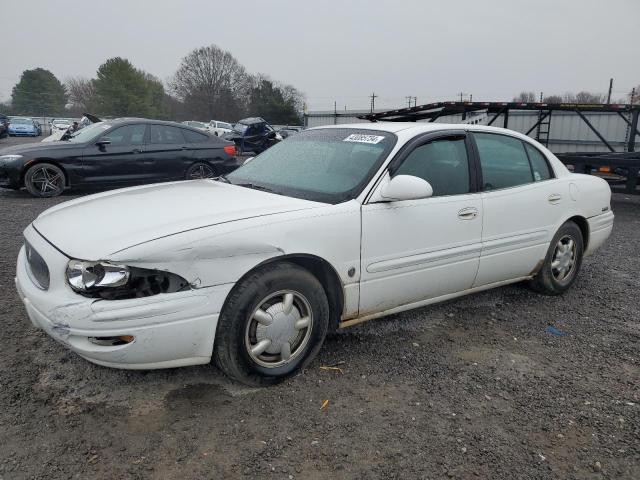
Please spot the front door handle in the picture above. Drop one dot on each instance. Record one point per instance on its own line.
(554, 198)
(137, 150)
(468, 213)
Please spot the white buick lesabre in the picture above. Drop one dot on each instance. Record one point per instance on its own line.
(332, 227)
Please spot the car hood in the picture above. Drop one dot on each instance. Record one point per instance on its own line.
(26, 148)
(94, 227)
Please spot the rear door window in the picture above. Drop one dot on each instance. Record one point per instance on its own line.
(503, 160)
(165, 134)
(194, 137)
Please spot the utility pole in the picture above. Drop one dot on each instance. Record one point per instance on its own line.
(610, 89)
(471, 97)
(415, 101)
(461, 94)
(373, 101)
(409, 98)
(632, 96)
(541, 97)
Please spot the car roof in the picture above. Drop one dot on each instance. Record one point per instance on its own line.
(252, 120)
(414, 128)
(123, 120)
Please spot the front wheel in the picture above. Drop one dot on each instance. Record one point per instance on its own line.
(273, 323)
(44, 180)
(562, 263)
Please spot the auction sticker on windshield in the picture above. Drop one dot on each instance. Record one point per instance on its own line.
(360, 138)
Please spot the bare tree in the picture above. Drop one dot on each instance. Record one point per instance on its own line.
(552, 99)
(81, 93)
(205, 80)
(526, 97)
(588, 97)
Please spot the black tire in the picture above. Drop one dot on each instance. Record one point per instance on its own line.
(44, 180)
(550, 280)
(200, 170)
(231, 350)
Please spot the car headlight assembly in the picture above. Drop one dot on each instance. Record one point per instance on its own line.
(111, 281)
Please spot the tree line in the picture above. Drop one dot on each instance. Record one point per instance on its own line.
(569, 97)
(208, 84)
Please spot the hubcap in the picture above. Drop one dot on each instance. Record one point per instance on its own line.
(564, 258)
(203, 171)
(279, 329)
(46, 180)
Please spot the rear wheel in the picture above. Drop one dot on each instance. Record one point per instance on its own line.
(44, 180)
(562, 263)
(273, 324)
(200, 170)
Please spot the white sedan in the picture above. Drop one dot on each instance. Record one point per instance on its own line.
(335, 226)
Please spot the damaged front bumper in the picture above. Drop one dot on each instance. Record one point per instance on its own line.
(162, 331)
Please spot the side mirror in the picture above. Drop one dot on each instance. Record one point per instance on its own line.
(406, 187)
(102, 142)
(271, 135)
(247, 160)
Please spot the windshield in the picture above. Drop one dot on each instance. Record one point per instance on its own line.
(61, 122)
(224, 125)
(240, 127)
(325, 165)
(21, 121)
(89, 132)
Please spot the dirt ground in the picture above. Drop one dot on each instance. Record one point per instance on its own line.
(473, 388)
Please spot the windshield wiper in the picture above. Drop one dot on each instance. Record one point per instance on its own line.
(223, 178)
(255, 187)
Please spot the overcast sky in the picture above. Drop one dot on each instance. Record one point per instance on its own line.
(343, 50)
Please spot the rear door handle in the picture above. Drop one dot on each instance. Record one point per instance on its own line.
(468, 213)
(554, 198)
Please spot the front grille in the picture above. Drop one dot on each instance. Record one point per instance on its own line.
(37, 267)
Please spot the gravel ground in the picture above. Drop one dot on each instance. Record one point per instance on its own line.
(473, 388)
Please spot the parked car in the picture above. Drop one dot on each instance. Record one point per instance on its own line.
(252, 135)
(333, 227)
(219, 128)
(22, 126)
(38, 127)
(59, 125)
(199, 125)
(287, 132)
(60, 134)
(112, 153)
(4, 126)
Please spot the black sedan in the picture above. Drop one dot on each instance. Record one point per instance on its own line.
(116, 153)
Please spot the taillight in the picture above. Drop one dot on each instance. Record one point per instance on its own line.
(230, 150)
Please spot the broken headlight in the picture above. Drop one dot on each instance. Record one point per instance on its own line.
(114, 282)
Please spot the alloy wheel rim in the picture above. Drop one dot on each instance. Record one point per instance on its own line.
(46, 180)
(279, 329)
(564, 258)
(203, 171)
